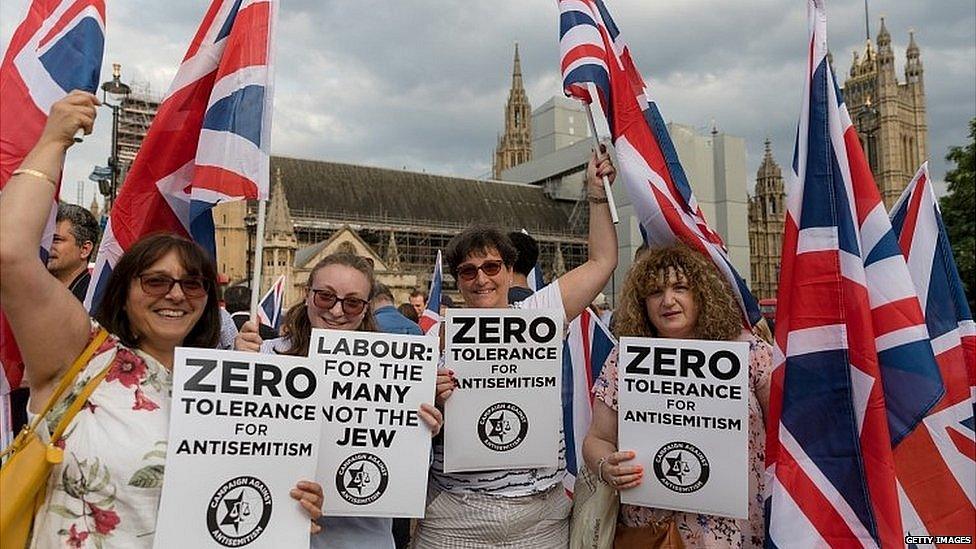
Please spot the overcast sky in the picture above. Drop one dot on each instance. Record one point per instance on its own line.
(422, 84)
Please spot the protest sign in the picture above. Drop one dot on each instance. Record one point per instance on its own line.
(375, 448)
(684, 409)
(243, 431)
(505, 411)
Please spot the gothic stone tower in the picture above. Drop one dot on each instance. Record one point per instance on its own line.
(515, 145)
(280, 243)
(766, 217)
(889, 115)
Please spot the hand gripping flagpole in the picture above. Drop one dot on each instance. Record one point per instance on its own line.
(606, 181)
(258, 261)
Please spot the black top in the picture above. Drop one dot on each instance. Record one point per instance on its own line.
(79, 286)
(517, 294)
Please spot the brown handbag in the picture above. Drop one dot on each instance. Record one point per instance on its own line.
(661, 536)
(24, 474)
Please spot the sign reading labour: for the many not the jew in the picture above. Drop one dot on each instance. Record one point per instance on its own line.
(505, 411)
(684, 409)
(375, 448)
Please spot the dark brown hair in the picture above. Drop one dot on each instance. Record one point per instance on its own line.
(719, 318)
(298, 328)
(142, 255)
(478, 240)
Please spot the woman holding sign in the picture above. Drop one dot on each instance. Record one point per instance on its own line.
(161, 295)
(675, 292)
(514, 507)
(339, 290)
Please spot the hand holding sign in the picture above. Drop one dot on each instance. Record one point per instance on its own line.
(620, 476)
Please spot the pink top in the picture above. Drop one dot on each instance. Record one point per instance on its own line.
(708, 530)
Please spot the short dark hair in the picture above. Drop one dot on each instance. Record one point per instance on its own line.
(418, 292)
(196, 262)
(84, 226)
(408, 311)
(382, 290)
(528, 252)
(478, 239)
(237, 298)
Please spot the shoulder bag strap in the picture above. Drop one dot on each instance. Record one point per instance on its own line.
(78, 402)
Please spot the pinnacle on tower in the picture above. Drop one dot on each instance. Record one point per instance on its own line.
(884, 37)
(912, 52)
(279, 221)
(516, 69)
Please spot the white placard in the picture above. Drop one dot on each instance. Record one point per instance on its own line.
(684, 409)
(243, 431)
(375, 448)
(505, 412)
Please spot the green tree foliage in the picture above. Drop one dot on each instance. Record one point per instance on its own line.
(959, 211)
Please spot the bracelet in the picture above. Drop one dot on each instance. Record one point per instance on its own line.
(599, 467)
(35, 173)
(597, 199)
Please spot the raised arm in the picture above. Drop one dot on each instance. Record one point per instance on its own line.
(51, 327)
(581, 285)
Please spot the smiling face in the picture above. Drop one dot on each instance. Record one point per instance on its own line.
(672, 306)
(345, 282)
(162, 322)
(485, 291)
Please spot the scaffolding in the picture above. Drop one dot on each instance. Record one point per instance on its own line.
(137, 113)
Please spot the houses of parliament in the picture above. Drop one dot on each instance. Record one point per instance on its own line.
(889, 116)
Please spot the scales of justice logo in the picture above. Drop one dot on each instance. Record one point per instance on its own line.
(502, 426)
(362, 478)
(681, 467)
(239, 511)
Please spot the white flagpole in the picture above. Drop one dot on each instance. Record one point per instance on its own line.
(258, 261)
(606, 182)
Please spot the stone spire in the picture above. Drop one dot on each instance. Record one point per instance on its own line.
(558, 263)
(886, 57)
(278, 223)
(769, 170)
(766, 218)
(392, 258)
(515, 144)
(913, 64)
(280, 243)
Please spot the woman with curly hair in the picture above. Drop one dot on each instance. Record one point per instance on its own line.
(675, 292)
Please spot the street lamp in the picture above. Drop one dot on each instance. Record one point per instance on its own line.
(114, 93)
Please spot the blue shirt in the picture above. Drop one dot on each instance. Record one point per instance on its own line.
(390, 321)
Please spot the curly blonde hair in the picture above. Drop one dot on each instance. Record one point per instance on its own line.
(718, 312)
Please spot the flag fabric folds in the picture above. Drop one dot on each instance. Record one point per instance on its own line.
(269, 308)
(854, 371)
(936, 463)
(430, 321)
(587, 346)
(210, 139)
(57, 48)
(594, 53)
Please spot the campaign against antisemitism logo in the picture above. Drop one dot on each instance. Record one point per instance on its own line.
(362, 478)
(502, 426)
(681, 467)
(239, 511)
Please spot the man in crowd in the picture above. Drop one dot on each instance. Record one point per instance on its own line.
(237, 302)
(388, 318)
(419, 301)
(75, 240)
(528, 256)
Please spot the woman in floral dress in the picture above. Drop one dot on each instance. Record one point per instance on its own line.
(161, 295)
(675, 292)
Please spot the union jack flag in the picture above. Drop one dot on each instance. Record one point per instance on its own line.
(936, 463)
(587, 346)
(854, 371)
(594, 53)
(430, 321)
(57, 48)
(210, 140)
(269, 308)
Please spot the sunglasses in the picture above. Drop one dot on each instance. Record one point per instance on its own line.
(469, 271)
(158, 285)
(324, 299)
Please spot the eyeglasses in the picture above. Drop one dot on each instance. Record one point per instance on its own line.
(468, 271)
(324, 299)
(158, 285)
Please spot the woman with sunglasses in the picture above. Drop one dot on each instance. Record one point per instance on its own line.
(515, 508)
(161, 295)
(340, 287)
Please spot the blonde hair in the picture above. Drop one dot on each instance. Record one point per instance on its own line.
(718, 312)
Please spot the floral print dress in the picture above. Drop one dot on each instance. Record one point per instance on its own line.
(710, 531)
(106, 491)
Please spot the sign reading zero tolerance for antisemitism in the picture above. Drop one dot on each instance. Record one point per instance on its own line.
(375, 451)
(684, 410)
(505, 411)
(243, 431)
